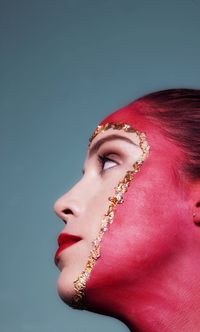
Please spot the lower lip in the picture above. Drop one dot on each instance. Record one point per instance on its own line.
(61, 248)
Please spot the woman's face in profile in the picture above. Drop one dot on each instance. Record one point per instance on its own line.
(108, 158)
(145, 228)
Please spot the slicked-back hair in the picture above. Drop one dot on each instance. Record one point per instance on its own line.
(177, 112)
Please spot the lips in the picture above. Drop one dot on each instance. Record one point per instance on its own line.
(64, 241)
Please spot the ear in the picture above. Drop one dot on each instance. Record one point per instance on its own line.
(195, 201)
(196, 214)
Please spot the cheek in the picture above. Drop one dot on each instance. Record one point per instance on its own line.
(144, 232)
(98, 203)
(93, 216)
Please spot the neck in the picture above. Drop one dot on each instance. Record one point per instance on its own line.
(164, 301)
(166, 309)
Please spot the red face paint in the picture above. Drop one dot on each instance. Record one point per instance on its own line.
(146, 233)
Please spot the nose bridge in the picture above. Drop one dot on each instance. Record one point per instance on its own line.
(71, 202)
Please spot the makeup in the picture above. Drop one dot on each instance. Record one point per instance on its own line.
(118, 198)
(64, 241)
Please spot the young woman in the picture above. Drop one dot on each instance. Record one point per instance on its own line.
(130, 247)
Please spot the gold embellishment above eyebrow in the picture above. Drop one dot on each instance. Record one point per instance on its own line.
(118, 198)
(118, 126)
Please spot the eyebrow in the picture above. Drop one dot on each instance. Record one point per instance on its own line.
(113, 137)
(109, 138)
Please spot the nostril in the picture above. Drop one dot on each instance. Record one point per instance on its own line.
(67, 211)
(65, 214)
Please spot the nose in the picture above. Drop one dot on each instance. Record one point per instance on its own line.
(67, 207)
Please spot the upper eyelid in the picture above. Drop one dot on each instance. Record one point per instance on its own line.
(113, 146)
(111, 155)
(106, 149)
(106, 140)
(108, 156)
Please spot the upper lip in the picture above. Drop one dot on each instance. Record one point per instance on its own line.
(65, 238)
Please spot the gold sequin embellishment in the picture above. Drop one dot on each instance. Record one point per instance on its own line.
(118, 198)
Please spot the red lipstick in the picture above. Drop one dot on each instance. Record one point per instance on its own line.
(64, 241)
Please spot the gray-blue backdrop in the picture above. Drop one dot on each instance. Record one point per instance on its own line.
(64, 66)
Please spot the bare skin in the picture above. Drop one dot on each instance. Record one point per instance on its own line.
(81, 212)
(148, 273)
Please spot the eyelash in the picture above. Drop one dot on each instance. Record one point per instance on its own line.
(102, 159)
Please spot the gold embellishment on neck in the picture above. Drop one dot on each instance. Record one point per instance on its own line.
(118, 198)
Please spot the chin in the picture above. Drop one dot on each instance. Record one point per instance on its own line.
(65, 286)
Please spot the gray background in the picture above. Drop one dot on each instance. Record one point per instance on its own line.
(64, 66)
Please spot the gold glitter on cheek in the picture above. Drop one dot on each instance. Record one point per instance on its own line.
(118, 198)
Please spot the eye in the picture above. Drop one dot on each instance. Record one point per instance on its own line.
(105, 162)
